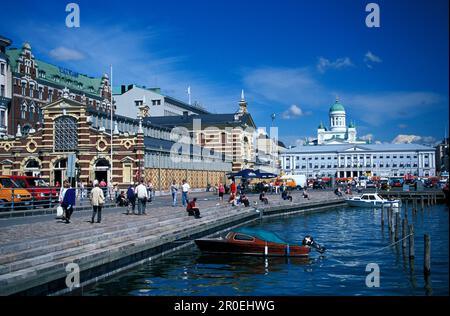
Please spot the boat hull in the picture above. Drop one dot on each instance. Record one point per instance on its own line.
(225, 246)
(372, 204)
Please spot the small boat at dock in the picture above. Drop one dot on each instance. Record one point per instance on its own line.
(372, 200)
(251, 241)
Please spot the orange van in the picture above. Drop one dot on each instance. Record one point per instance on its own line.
(11, 192)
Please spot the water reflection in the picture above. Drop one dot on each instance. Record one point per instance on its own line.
(353, 238)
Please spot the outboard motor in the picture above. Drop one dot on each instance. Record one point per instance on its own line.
(309, 241)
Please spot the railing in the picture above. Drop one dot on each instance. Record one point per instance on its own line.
(17, 198)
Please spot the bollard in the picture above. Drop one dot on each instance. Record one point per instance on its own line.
(427, 255)
(411, 242)
(404, 225)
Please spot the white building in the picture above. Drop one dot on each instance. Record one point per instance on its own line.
(339, 132)
(352, 160)
(5, 85)
(129, 98)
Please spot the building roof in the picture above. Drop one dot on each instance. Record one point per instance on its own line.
(119, 90)
(60, 76)
(218, 120)
(361, 147)
(337, 107)
(184, 105)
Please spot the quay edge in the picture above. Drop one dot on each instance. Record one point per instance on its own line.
(97, 264)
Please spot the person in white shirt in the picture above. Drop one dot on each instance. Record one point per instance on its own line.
(185, 187)
(142, 196)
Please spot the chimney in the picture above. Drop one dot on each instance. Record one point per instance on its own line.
(185, 114)
(123, 89)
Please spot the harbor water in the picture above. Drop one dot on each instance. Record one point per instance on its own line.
(354, 238)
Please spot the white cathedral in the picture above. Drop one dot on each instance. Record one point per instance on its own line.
(338, 133)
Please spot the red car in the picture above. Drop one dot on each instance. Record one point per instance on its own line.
(38, 187)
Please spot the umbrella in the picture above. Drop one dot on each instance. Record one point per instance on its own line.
(265, 175)
(246, 173)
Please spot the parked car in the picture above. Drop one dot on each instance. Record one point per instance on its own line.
(370, 185)
(10, 193)
(396, 182)
(38, 187)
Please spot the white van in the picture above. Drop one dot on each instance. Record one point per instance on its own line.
(300, 180)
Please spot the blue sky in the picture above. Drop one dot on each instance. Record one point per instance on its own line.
(291, 57)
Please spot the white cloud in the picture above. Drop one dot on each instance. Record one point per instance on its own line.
(292, 112)
(127, 49)
(64, 53)
(367, 137)
(370, 59)
(299, 85)
(292, 85)
(415, 139)
(377, 108)
(324, 64)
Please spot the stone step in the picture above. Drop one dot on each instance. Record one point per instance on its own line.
(103, 251)
(36, 256)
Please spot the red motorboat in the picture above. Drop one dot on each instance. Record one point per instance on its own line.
(251, 241)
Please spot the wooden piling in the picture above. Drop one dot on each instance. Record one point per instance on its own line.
(404, 226)
(397, 225)
(382, 216)
(422, 202)
(389, 218)
(427, 255)
(411, 242)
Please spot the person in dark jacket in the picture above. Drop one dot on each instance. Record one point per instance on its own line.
(192, 209)
(68, 202)
(131, 196)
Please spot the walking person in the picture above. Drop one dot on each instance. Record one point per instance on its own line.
(150, 191)
(110, 189)
(68, 201)
(221, 191)
(141, 195)
(174, 190)
(233, 191)
(185, 187)
(131, 196)
(97, 200)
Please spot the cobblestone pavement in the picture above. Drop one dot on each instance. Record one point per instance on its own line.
(40, 227)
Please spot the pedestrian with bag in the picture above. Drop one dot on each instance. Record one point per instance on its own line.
(68, 202)
(97, 200)
(131, 196)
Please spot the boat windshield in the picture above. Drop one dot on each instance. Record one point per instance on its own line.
(261, 234)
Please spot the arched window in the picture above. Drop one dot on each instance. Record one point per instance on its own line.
(66, 133)
(32, 109)
(23, 111)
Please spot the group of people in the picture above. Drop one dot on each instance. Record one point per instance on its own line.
(67, 200)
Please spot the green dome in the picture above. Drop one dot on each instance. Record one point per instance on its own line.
(337, 107)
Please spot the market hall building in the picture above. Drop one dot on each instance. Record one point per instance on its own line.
(71, 129)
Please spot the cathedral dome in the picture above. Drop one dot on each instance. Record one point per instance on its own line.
(337, 107)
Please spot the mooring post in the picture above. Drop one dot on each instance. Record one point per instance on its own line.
(422, 202)
(404, 225)
(411, 242)
(389, 219)
(427, 255)
(382, 216)
(397, 224)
